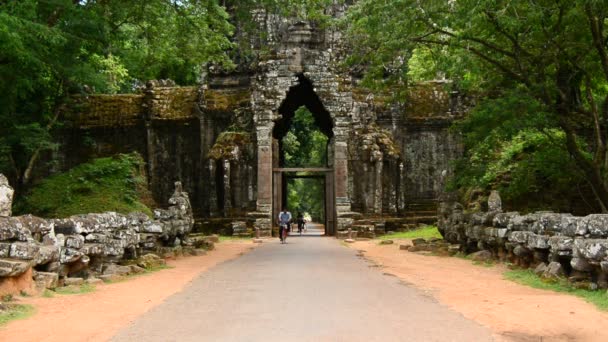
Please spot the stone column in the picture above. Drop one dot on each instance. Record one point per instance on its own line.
(6, 197)
(343, 208)
(263, 215)
(227, 189)
(378, 187)
(213, 205)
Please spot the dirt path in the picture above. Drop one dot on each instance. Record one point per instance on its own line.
(310, 289)
(513, 312)
(97, 316)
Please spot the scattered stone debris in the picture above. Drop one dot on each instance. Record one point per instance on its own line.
(555, 245)
(95, 247)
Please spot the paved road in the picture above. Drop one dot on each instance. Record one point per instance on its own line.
(311, 289)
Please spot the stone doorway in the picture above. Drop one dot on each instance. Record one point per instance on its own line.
(303, 118)
(281, 177)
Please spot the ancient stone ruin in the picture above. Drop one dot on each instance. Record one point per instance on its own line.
(222, 139)
(90, 247)
(554, 244)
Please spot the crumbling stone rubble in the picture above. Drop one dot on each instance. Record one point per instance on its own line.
(554, 244)
(92, 245)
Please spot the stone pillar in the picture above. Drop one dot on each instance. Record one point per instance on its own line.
(343, 208)
(227, 190)
(6, 197)
(213, 205)
(378, 187)
(263, 215)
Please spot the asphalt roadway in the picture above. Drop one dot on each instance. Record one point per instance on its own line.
(310, 289)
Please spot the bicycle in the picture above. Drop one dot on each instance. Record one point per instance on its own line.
(283, 230)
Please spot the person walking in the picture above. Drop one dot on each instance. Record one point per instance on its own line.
(300, 222)
(284, 220)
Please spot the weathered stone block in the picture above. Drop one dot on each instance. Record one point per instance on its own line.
(24, 251)
(47, 254)
(150, 261)
(592, 249)
(69, 255)
(5, 249)
(554, 270)
(74, 241)
(561, 243)
(116, 269)
(595, 225)
(538, 241)
(11, 268)
(73, 281)
(46, 280)
(580, 264)
(519, 236)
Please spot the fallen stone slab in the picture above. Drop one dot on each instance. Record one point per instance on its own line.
(150, 261)
(11, 268)
(110, 277)
(386, 242)
(73, 281)
(481, 256)
(136, 269)
(117, 269)
(93, 281)
(46, 280)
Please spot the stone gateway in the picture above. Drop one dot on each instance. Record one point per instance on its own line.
(222, 139)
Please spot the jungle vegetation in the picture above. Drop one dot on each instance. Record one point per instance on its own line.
(538, 70)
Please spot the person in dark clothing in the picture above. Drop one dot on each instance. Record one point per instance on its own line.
(301, 222)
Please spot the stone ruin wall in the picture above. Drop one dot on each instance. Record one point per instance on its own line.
(91, 247)
(414, 148)
(396, 153)
(555, 245)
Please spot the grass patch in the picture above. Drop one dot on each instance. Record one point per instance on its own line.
(135, 275)
(426, 232)
(48, 293)
(527, 277)
(104, 184)
(71, 290)
(11, 312)
(233, 238)
(487, 263)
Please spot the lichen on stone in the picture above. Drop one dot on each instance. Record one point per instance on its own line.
(230, 145)
(376, 143)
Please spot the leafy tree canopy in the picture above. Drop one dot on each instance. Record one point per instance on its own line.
(50, 49)
(540, 69)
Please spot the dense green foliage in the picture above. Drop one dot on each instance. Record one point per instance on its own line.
(104, 184)
(50, 49)
(540, 69)
(307, 196)
(305, 145)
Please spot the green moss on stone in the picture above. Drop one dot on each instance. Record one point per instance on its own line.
(104, 184)
(230, 145)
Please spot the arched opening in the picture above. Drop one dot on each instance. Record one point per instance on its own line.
(302, 157)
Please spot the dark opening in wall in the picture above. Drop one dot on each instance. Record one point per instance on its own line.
(302, 101)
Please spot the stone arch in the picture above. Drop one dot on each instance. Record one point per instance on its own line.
(301, 95)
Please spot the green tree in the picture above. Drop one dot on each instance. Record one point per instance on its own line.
(304, 145)
(553, 53)
(54, 48)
